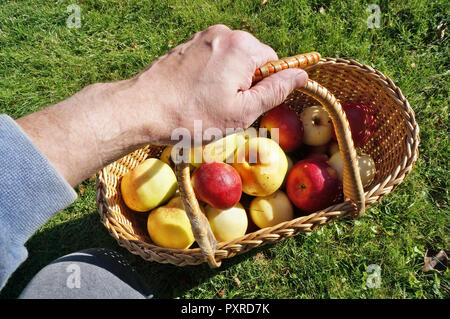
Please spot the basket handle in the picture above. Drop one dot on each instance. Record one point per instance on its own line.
(351, 178)
(199, 223)
(352, 184)
(299, 61)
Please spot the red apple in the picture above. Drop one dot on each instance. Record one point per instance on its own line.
(290, 127)
(217, 184)
(313, 185)
(361, 120)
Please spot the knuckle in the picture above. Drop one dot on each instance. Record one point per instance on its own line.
(239, 38)
(271, 52)
(217, 28)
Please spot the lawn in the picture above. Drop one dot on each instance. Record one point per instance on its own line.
(43, 61)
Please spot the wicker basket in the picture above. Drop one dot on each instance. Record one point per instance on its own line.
(393, 146)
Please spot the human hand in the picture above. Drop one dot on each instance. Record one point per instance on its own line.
(208, 78)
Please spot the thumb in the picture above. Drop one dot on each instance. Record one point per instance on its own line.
(274, 89)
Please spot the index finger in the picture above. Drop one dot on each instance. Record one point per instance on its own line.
(258, 52)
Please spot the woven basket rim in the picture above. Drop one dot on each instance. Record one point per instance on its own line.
(260, 237)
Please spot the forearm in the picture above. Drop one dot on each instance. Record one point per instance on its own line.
(92, 128)
(208, 78)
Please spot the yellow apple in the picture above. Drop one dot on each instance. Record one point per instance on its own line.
(148, 185)
(271, 210)
(227, 224)
(196, 156)
(262, 165)
(166, 156)
(177, 202)
(317, 126)
(367, 169)
(223, 149)
(169, 226)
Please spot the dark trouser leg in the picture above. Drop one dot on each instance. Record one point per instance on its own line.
(87, 274)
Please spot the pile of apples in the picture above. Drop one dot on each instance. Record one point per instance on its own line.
(243, 182)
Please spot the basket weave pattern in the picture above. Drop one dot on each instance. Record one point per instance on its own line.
(393, 146)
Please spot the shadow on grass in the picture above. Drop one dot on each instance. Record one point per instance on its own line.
(164, 280)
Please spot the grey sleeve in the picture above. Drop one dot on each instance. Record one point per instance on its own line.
(31, 192)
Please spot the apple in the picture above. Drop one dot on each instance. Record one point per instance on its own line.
(361, 120)
(196, 156)
(245, 201)
(367, 169)
(289, 125)
(168, 158)
(217, 184)
(366, 164)
(262, 165)
(317, 126)
(227, 224)
(313, 185)
(176, 202)
(148, 185)
(268, 211)
(169, 226)
(223, 149)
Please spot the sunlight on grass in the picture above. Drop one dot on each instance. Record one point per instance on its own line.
(42, 61)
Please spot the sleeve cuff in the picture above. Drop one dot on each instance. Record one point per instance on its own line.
(31, 189)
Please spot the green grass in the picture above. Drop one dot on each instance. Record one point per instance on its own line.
(42, 62)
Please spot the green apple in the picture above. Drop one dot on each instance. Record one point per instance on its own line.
(223, 149)
(148, 185)
(271, 210)
(169, 226)
(367, 169)
(227, 224)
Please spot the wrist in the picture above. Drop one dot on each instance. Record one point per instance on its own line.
(127, 115)
(149, 105)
